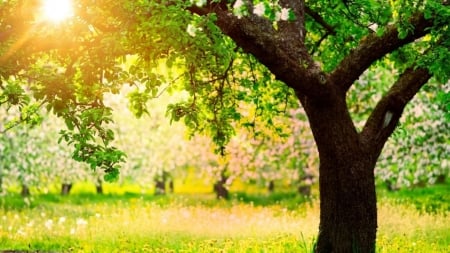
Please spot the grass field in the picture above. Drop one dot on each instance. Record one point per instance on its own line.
(409, 221)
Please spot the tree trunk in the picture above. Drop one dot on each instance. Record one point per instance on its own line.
(304, 190)
(271, 186)
(160, 186)
(348, 218)
(219, 187)
(440, 179)
(99, 187)
(348, 214)
(65, 189)
(171, 186)
(220, 190)
(25, 191)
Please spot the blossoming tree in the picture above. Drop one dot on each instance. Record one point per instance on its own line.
(223, 52)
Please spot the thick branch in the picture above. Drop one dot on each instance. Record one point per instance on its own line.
(372, 48)
(386, 115)
(281, 50)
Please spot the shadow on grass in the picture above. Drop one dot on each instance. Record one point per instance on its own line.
(430, 199)
(289, 200)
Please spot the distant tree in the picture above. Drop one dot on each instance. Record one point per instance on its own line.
(32, 156)
(224, 52)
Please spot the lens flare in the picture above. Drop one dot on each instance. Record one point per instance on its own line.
(57, 10)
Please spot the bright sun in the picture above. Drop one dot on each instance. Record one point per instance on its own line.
(57, 10)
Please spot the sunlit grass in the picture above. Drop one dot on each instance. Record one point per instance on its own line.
(133, 222)
(138, 223)
(403, 228)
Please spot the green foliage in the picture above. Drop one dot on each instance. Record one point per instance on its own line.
(157, 47)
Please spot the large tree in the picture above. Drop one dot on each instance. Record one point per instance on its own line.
(224, 54)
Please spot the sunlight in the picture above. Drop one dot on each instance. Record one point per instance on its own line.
(57, 10)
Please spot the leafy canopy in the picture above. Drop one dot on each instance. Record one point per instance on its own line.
(166, 46)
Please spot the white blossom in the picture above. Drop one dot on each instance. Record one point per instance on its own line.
(284, 14)
(238, 4)
(192, 30)
(199, 3)
(259, 9)
(373, 26)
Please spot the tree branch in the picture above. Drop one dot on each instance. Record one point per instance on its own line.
(372, 48)
(386, 115)
(281, 50)
(329, 29)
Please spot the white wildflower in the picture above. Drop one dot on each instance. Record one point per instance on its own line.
(72, 231)
(259, 9)
(21, 232)
(81, 222)
(62, 220)
(48, 224)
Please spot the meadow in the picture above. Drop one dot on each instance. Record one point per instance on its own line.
(121, 220)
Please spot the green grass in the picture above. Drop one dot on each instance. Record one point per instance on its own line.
(282, 222)
(425, 199)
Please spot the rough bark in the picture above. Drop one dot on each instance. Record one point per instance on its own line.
(348, 217)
